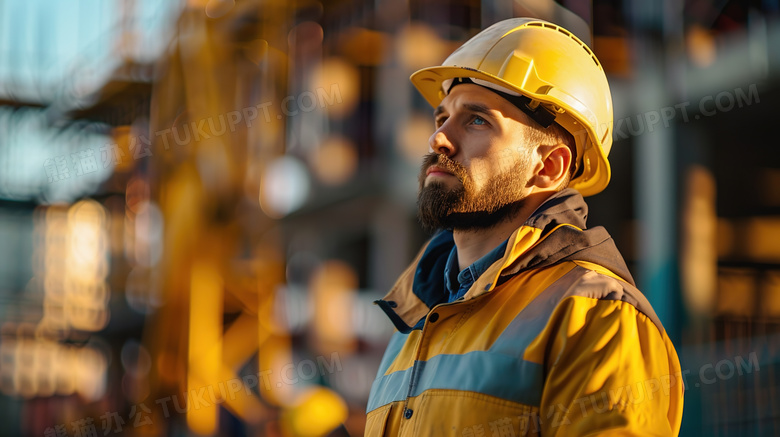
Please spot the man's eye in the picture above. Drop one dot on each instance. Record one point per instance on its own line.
(479, 121)
(440, 121)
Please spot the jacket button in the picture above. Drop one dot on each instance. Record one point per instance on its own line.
(391, 304)
(408, 413)
(434, 317)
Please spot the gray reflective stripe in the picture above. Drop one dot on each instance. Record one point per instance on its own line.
(393, 348)
(530, 322)
(498, 375)
(502, 376)
(397, 381)
(389, 388)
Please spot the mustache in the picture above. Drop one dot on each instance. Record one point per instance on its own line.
(445, 163)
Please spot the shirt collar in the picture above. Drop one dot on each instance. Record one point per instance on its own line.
(455, 283)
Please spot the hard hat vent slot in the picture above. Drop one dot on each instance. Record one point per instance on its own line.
(570, 35)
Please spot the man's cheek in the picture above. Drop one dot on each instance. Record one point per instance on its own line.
(506, 159)
(479, 172)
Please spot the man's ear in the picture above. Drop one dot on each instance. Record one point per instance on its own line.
(555, 164)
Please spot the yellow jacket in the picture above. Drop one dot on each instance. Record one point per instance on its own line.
(553, 339)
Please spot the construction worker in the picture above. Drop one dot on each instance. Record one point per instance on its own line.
(515, 319)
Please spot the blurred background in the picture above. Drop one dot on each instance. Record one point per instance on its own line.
(200, 199)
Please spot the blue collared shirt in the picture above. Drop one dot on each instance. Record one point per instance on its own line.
(458, 283)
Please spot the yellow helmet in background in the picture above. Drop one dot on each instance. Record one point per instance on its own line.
(557, 74)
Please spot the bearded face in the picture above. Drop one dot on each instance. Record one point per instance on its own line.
(482, 163)
(470, 203)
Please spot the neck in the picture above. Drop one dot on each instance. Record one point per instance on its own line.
(473, 244)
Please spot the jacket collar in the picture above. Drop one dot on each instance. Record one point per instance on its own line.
(555, 232)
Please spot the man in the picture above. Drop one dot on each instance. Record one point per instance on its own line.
(515, 319)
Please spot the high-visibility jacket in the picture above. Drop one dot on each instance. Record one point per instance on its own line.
(553, 339)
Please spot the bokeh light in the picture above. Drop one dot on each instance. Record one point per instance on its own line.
(335, 161)
(284, 187)
(336, 83)
(413, 138)
(419, 46)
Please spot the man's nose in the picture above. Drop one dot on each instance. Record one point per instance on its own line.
(440, 143)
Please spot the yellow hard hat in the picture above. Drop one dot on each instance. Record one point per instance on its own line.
(558, 74)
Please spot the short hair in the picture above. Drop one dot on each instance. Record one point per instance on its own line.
(551, 135)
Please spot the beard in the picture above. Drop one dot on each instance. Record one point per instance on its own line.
(464, 208)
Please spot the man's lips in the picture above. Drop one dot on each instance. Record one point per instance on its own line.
(437, 171)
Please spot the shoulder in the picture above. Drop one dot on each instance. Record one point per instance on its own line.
(597, 284)
(595, 314)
